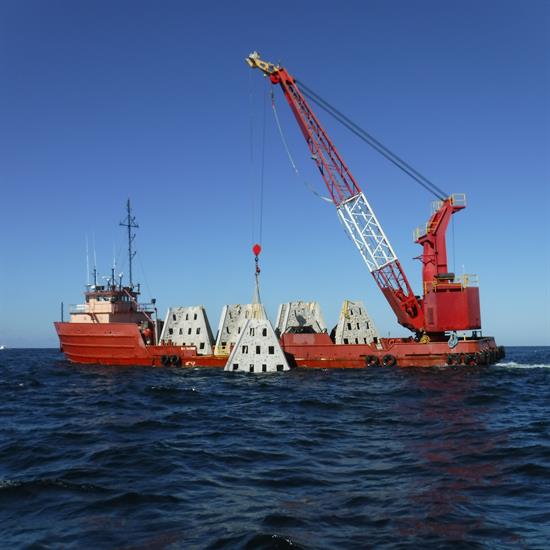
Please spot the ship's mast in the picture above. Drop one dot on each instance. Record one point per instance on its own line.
(130, 223)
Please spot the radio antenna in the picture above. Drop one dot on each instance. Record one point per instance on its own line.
(130, 223)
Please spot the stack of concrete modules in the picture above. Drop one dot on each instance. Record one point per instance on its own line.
(188, 326)
(355, 325)
(257, 349)
(295, 316)
(232, 321)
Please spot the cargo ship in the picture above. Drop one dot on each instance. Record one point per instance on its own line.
(113, 328)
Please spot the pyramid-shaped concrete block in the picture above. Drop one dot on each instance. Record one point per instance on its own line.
(257, 350)
(300, 315)
(232, 321)
(188, 326)
(355, 325)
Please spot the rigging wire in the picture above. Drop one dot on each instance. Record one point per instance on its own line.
(138, 256)
(373, 142)
(287, 149)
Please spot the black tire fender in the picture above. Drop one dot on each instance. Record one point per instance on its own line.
(389, 360)
(371, 361)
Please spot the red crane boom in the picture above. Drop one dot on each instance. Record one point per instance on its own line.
(447, 304)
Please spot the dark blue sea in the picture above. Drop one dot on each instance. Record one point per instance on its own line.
(176, 458)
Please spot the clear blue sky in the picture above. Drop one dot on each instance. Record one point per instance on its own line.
(101, 100)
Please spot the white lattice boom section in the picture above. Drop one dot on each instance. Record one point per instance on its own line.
(362, 226)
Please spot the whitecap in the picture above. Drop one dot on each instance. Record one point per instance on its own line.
(514, 365)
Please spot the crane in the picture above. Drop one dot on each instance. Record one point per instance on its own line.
(448, 303)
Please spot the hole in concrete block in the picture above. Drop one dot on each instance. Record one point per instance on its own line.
(346, 341)
(199, 330)
(189, 331)
(271, 350)
(227, 330)
(251, 368)
(181, 331)
(356, 341)
(201, 346)
(258, 350)
(358, 327)
(239, 330)
(195, 317)
(280, 368)
(251, 332)
(170, 331)
(367, 324)
(360, 311)
(349, 326)
(173, 316)
(224, 344)
(264, 368)
(245, 349)
(235, 366)
(187, 316)
(264, 332)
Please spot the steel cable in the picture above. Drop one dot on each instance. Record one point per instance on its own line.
(373, 142)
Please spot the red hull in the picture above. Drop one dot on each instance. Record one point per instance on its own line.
(122, 344)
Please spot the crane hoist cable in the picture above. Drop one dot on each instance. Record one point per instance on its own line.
(262, 173)
(257, 180)
(373, 142)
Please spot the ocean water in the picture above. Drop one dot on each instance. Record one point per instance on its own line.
(140, 458)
